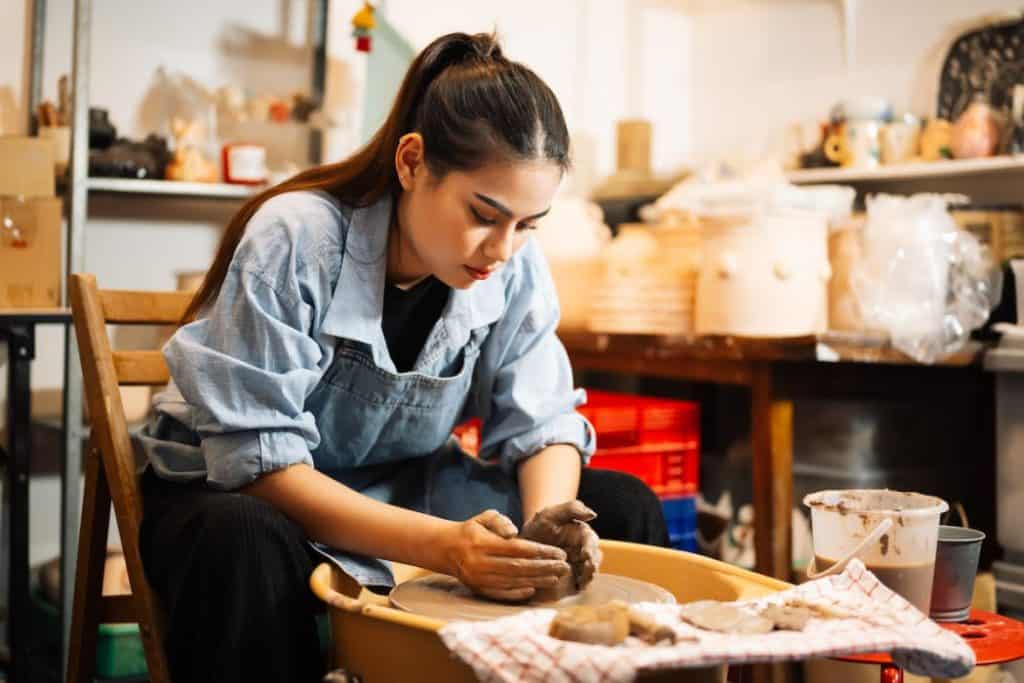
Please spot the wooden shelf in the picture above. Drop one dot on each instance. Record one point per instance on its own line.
(171, 188)
(730, 353)
(923, 169)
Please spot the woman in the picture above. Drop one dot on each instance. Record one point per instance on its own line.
(352, 317)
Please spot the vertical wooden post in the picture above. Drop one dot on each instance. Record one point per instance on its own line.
(772, 447)
(772, 444)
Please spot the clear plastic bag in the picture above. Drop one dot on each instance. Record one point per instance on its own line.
(922, 279)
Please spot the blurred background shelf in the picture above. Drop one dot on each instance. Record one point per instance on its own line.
(170, 188)
(914, 171)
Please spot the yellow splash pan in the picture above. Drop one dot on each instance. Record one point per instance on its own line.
(380, 644)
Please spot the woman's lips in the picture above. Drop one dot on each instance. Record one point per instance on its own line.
(478, 274)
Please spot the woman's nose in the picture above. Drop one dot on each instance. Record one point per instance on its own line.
(500, 246)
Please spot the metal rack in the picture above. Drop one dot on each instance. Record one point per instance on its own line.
(78, 188)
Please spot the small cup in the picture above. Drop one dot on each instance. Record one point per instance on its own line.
(901, 140)
(956, 563)
(857, 145)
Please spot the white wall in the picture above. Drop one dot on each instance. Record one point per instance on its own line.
(604, 59)
(725, 78)
(759, 66)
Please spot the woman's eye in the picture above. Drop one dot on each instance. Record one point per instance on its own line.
(480, 217)
(526, 226)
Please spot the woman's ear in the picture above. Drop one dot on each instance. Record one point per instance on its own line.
(409, 159)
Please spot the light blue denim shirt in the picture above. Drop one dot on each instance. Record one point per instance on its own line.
(289, 363)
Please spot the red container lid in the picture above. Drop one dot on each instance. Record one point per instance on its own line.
(993, 637)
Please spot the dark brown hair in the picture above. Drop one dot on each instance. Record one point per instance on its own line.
(471, 105)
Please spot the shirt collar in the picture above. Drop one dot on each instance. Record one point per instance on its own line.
(356, 306)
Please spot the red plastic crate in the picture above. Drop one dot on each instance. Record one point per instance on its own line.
(654, 439)
(669, 468)
(628, 420)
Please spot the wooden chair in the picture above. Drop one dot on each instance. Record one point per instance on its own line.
(110, 474)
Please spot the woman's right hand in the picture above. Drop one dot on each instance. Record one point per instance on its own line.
(485, 555)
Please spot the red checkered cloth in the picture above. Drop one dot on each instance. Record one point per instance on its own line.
(871, 619)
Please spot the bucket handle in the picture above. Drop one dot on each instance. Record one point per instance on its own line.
(840, 565)
(961, 513)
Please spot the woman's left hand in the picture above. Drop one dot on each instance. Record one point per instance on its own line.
(565, 526)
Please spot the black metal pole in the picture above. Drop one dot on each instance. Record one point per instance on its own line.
(21, 351)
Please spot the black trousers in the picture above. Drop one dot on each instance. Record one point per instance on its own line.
(232, 574)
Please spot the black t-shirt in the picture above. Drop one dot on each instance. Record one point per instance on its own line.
(409, 316)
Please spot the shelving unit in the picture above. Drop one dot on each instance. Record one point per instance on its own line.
(76, 193)
(913, 171)
(169, 188)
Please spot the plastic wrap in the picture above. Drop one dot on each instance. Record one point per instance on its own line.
(921, 279)
(750, 196)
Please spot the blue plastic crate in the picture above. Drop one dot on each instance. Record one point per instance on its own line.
(680, 515)
(687, 542)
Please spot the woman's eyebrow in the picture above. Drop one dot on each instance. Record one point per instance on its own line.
(504, 209)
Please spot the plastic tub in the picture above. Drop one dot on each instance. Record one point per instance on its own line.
(367, 633)
(903, 558)
(119, 651)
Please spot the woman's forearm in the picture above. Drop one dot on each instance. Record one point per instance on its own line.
(550, 477)
(334, 514)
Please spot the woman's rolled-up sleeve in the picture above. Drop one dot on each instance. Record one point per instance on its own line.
(246, 367)
(532, 400)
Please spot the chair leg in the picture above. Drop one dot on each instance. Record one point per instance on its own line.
(92, 552)
(148, 612)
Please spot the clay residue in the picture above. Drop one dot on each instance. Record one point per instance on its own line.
(734, 618)
(883, 542)
(819, 609)
(786, 617)
(722, 617)
(444, 597)
(608, 624)
(604, 625)
(880, 501)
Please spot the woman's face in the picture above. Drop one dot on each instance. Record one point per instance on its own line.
(463, 227)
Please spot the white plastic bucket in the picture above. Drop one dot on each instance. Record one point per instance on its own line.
(845, 523)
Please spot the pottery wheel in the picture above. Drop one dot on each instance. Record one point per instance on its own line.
(443, 597)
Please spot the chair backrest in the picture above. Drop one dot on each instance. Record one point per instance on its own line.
(105, 370)
(110, 465)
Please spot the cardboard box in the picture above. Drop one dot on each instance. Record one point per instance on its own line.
(30, 257)
(26, 166)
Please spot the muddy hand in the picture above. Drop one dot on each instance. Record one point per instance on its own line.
(565, 526)
(486, 556)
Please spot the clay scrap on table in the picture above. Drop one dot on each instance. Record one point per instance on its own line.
(611, 623)
(786, 617)
(723, 617)
(820, 610)
(603, 625)
(608, 624)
